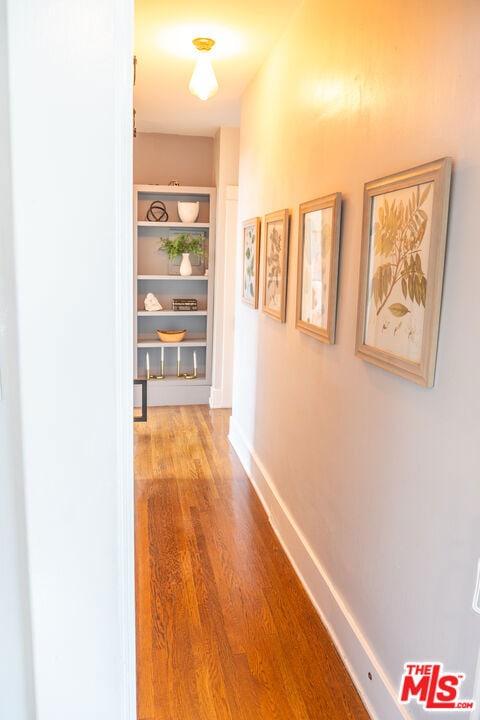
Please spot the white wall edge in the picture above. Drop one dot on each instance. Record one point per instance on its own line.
(123, 77)
(378, 695)
(231, 192)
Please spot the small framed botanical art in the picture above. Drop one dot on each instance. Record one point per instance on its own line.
(403, 250)
(251, 258)
(317, 266)
(275, 265)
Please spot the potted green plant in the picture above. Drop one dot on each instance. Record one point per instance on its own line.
(183, 245)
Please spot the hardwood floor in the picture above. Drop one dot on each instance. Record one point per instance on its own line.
(224, 629)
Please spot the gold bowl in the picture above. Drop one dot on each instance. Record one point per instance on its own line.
(171, 335)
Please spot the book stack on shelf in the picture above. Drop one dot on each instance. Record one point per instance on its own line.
(184, 304)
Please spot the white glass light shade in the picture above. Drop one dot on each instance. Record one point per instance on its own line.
(203, 83)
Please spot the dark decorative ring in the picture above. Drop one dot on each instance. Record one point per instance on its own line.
(157, 212)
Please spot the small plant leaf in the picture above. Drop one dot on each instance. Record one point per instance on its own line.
(377, 285)
(416, 289)
(421, 232)
(398, 310)
(385, 282)
(424, 290)
(410, 287)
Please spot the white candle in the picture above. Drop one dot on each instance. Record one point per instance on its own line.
(194, 360)
(162, 352)
(178, 354)
(148, 365)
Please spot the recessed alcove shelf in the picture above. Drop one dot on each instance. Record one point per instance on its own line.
(154, 273)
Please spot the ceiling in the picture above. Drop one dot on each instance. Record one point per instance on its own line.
(244, 32)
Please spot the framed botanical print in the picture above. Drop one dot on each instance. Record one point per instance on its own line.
(275, 264)
(251, 258)
(317, 266)
(403, 250)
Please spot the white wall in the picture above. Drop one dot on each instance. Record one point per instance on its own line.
(159, 158)
(16, 686)
(226, 150)
(371, 481)
(70, 96)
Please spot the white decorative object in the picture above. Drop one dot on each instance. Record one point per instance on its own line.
(185, 265)
(151, 303)
(188, 211)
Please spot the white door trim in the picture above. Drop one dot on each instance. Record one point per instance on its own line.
(123, 79)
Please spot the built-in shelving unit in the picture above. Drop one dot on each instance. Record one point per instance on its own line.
(154, 273)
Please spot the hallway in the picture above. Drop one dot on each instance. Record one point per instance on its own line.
(224, 629)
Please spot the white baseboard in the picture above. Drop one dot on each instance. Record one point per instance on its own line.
(217, 399)
(378, 694)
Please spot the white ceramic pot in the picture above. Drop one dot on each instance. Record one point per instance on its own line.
(188, 211)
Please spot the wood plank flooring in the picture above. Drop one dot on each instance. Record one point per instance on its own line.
(224, 629)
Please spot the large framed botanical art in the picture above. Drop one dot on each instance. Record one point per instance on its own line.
(251, 258)
(275, 264)
(317, 266)
(403, 251)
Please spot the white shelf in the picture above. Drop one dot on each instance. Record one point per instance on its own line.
(174, 380)
(173, 225)
(172, 277)
(152, 343)
(172, 313)
(180, 190)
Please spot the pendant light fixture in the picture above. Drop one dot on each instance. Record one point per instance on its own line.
(203, 83)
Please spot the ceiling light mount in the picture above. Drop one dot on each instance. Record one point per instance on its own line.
(203, 44)
(203, 83)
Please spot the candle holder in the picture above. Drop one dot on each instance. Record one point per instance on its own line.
(162, 374)
(187, 376)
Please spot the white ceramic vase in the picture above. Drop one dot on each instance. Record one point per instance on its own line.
(185, 265)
